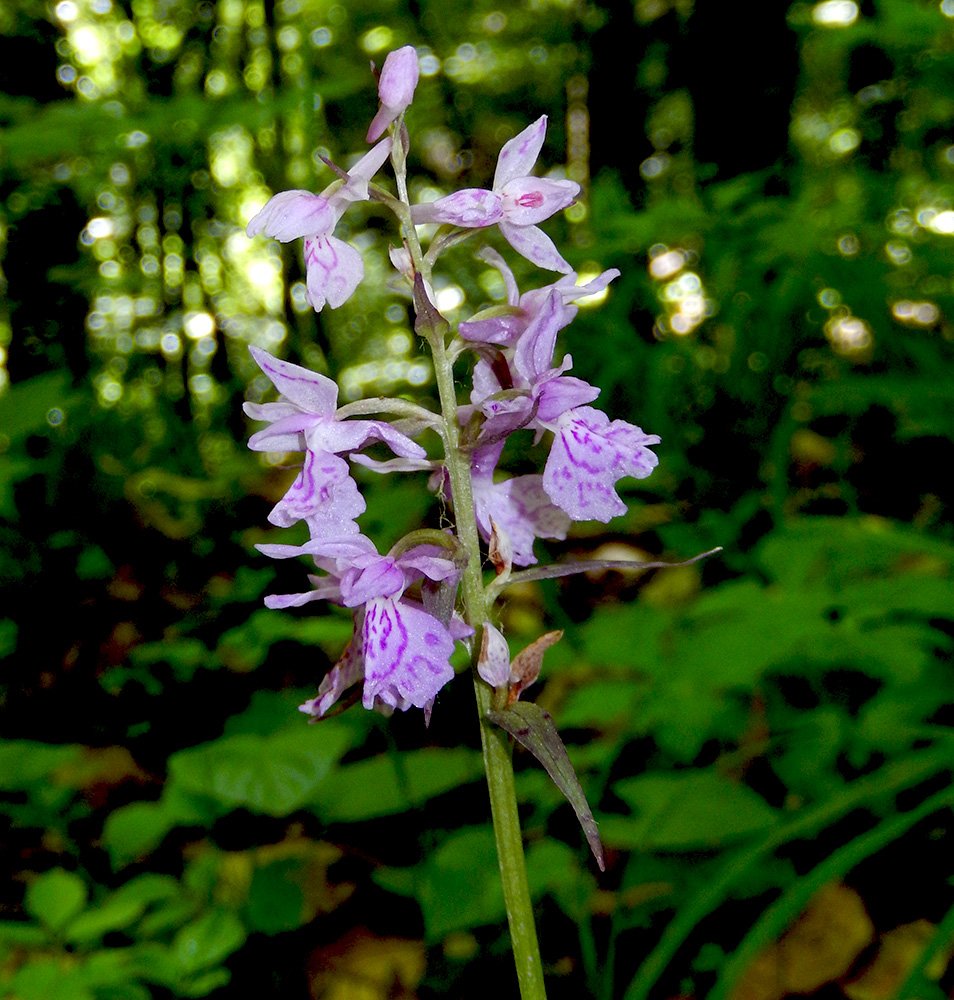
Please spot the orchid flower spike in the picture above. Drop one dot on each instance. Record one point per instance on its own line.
(396, 84)
(333, 268)
(517, 203)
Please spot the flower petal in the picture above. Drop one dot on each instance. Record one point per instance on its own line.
(518, 156)
(333, 271)
(535, 245)
(494, 662)
(588, 456)
(406, 654)
(529, 200)
(324, 494)
(312, 392)
(290, 215)
(359, 176)
(471, 208)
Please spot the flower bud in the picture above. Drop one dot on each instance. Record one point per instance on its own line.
(399, 77)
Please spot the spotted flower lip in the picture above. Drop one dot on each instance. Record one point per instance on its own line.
(517, 203)
(399, 649)
(589, 455)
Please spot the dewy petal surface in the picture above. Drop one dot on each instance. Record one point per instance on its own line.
(588, 456)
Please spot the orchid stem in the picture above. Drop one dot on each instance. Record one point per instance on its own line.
(497, 749)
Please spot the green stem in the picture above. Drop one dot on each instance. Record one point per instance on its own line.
(497, 749)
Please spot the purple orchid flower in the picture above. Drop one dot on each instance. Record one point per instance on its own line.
(396, 84)
(589, 454)
(305, 419)
(518, 508)
(399, 649)
(333, 268)
(517, 203)
(504, 324)
(520, 389)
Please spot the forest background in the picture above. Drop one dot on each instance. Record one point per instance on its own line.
(765, 738)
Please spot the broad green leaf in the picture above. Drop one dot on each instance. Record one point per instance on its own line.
(24, 405)
(207, 941)
(45, 978)
(686, 809)
(55, 898)
(24, 762)
(458, 885)
(531, 726)
(275, 900)
(274, 775)
(121, 908)
(18, 932)
(394, 782)
(131, 832)
(601, 704)
(244, 648)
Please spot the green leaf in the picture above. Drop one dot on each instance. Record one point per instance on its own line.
(47, 979)
(207, 941)
(275, 901)
(131, 832)
(24, 405)
(8, 636)
(121, 908)
(274, 775)
(55, 898)
(457, 887)
(686, 809)
(18, 932)
(394, 782)
(244, 648)
(530, 725)
(23, 763)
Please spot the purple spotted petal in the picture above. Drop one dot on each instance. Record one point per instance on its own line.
(333, 270)
(289, 215)
(308, 390)
(528, 200)
(347, 671)
(534, 244)
(406, 654)
(324, 494)
(533, 353)
(588, 456)
(518, 156)
(520, 508)
(471, 208)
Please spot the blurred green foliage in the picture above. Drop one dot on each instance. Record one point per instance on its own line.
(749, 732)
